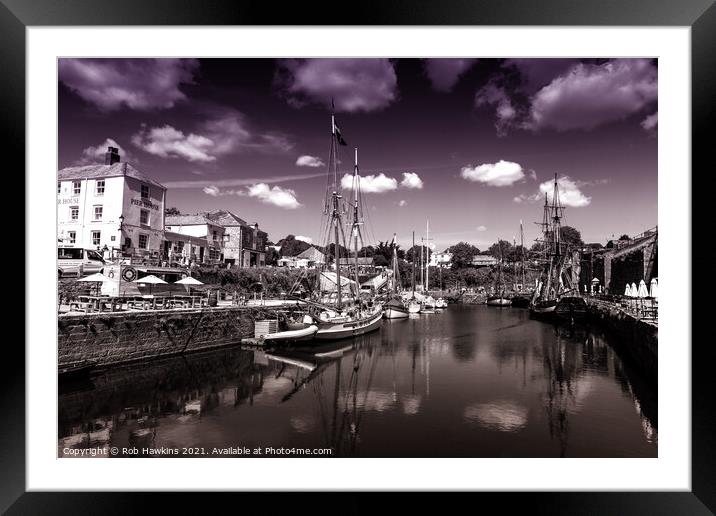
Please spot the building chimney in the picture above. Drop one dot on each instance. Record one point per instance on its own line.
(111, 156)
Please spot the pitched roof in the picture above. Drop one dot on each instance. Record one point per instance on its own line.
(97, 171)
(187, 220)
(225, 218)
(311, 254)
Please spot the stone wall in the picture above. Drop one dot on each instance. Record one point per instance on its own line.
(113, 338)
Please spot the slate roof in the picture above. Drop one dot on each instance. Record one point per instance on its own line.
(187, 220)
(225, 218)
(99, 171)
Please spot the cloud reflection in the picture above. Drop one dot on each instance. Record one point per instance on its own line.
(503, 416)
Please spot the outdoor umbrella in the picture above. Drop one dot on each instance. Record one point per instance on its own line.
(634, 290)
(643, 291)
(627, 291)
(188, 281)
(654, 288)
(150, 280)
(95, 278)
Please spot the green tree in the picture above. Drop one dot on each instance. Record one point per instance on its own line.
(571, 236)
(172, 211)
(500, 250)
(414, 252)
(292, 247)
(462, 254)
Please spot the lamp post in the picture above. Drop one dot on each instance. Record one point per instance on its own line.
(121, 234)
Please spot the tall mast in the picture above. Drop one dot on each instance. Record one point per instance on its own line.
(522, 249)
(336, 214)
(413, 260)
(396, 272)
(427, 255)
(422, 276)
(356, 218)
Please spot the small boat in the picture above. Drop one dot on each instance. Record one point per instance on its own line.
(440, 303)
(395, 309)
(498, 301)
(289, 336)
(333, 325)
(414, 307)
(544, 306)
(571, 308)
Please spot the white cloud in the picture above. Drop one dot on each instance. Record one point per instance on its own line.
(371, 184)
(505, 112)
(650, 123)
(140, 84)
(352, 84)
(519, 198)
(168, 142)
(481, 228)
(411, 180)
(591, 95)
(569, 192)
(239, 181)
(502, 173)
(402, 203)
(309, 161)
(444, 73)
(212, 190)
(306, 239)
(283, 198)
(96, 154)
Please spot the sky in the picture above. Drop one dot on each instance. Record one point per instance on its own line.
(472, 145)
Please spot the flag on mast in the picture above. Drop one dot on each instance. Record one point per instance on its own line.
(339, 136)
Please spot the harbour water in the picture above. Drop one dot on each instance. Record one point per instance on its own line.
(472, 381)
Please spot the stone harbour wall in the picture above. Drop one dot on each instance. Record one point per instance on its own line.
(120, 337)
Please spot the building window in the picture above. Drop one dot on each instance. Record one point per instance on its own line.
(143, 241)
(145, 192)
(213, 253)
(59, 187)
(99, 190)
(96, 235)
(73, 237)
(74, 212)
(76, 187)
(227, 238)
(144, 217)
(98, 213)
(214, 234)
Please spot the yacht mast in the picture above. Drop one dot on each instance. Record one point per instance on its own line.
(336, 213)
(356, 218)
(413, 260)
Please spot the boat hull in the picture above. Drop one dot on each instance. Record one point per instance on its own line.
(286, 337)
(499, 301)
(341, 330)
(543, 309)
(392, 312)
(571, 309)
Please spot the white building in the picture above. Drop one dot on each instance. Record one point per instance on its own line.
(112, 207)
(440, 259)
(207, 242)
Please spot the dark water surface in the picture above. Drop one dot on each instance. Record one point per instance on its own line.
(472, 381)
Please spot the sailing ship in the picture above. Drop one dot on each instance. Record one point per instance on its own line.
(348, 317)
(499, 298)
(521, 299)
(554, 286)
(414, 306)
(395, 308)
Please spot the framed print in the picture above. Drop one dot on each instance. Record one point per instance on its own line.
(423, 246)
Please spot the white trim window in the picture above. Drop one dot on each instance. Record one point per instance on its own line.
(98, 212)
(77, 187)
(72, 236)
(143, 241)
(99, 188)
(144, 217)
(74, 212)
(96, 237)
(145, 191)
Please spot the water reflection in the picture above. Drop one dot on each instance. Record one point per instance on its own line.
(470, 381)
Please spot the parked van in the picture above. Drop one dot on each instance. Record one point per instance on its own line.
(75, 261)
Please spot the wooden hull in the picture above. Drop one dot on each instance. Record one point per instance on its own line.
(544, 309)
(392, 312)
(498, 301)
(571, 309)
(414, 308)
(340, 330)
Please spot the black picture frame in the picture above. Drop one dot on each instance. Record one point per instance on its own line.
(700, 15)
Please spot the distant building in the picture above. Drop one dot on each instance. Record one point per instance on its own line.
(207, 242)
(307, 259)
(244, 244)
(483, 260)
(111, 207)
(440, 259)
